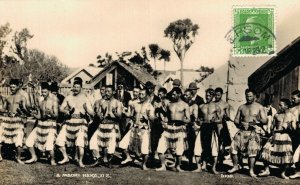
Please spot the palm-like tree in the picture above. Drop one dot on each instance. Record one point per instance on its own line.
(182, 33)
(164, 55)
(154, 52)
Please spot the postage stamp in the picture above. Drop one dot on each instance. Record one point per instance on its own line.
(253, 32)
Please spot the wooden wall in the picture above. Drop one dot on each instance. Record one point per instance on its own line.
(283, 87)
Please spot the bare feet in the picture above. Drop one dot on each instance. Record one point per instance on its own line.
(144, 167)
(20, 161)
(52, 162)
(127, 160)
(81, 165)
(1, 158)
(64, 161)
(234, 169)
(296, 175)
(32, 160)
(264, 173)
(162, 168)
(203, 167)
(178, 169)
(284, 176)
(105, 160)
(197, 170)
(252, 174)
(214, 171)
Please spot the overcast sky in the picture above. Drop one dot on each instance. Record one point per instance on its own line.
(77, 31)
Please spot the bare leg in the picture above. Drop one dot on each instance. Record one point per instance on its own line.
(33, 156)
(81, 154)
(198, 169)
(178, 161)
(266, 172)
(283, 173)
(65, 156)
(214, 170)
(162, 161)
(128, 158)
(251, 161)
(52, 158)
(1, 153)
(144, 166)
(235, 164)
(105, 159)
(19, 151)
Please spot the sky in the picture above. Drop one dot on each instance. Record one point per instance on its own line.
(77, 31)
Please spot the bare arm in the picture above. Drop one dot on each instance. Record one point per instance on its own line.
(238, 116)
(187, 118)
(263, 115)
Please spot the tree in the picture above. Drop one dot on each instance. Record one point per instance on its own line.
(164, 55)
(154, 52)
(182, 33)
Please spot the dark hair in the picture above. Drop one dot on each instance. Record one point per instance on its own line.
(177, 90)
(54, 87)
(250, 90)
(286, 102)
(268, 99)
(45, 85)
(296, 92)
(219, 89)
(163, 90)
(111, 87)
(210, 91)
(77, 80)
(14, 82)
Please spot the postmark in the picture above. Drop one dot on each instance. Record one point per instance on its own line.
(253, 31)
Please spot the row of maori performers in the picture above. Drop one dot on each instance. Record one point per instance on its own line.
(148, 126)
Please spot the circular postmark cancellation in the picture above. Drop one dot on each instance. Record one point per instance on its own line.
(253, 32)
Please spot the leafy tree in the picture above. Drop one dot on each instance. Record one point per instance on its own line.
(182, 33)
(154, 52)
(164, 55)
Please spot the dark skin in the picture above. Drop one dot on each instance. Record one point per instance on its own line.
(15, 105)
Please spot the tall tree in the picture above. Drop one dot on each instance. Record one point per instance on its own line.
(164, 55)
(154, 52)
(182, 33)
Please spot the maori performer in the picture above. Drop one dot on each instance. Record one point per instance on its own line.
(74, 132)
(43, 135)
(278, 150)
(210, 118)
(139, 141)
(108, 133)
(246, 142)
(174, 135)
(12, 122)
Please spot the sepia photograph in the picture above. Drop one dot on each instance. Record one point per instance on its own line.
(149, 92)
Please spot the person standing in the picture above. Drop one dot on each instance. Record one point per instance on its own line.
(174, 135)
(74, 133)
(246, 141)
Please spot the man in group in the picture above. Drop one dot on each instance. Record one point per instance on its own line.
(223, 133)
(174, 135)
(176, 83)
(43, 135)
(139, 141)
(210, 118)
(192, 131)
(124, 97)
(108, 132)
(195, 97)
(127, 114)
(246, 141)
(12, 125)
(278, 150)
(74, 133)
(296, 134)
